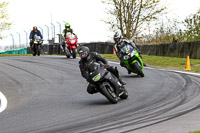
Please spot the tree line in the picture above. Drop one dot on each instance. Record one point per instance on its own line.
(138, 20)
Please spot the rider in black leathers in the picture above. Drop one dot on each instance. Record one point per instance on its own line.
(87, 57)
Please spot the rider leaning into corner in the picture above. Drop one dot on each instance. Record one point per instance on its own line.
(119, 43)
(64, 35)
(34, 32)
(87, 57)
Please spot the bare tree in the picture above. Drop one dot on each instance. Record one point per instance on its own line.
(4, 24)
(131, 16)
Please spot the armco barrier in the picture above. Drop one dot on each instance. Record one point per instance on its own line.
(16, 51)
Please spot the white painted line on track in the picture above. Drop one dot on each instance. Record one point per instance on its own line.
(189, 73)
(3, 102)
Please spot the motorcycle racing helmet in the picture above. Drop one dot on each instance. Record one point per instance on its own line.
(84, 52)
(35, 28)
(67, 26)
(117, 37)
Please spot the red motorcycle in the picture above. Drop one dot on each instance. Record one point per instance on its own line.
(71, 45)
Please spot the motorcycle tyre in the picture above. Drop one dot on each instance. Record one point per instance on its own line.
(74, 53)
(34, 53)
(106, 93)
(38, 53)
(138, 69)
(68, 56)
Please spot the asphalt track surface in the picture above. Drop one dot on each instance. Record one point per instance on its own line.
(48, 95)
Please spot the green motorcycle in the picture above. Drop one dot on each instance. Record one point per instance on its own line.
(132, 60)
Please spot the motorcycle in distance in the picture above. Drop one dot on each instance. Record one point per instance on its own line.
(71, 45)
(36, 47)
(106, 83)
(132, 60)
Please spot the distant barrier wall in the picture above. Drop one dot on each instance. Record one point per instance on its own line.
(182, 49)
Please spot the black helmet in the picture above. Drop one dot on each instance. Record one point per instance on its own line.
(117, 37)
(84, 52)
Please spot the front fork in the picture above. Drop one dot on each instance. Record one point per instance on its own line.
(67, 50)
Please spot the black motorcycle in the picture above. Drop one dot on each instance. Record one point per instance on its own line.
(36, 47)
(106, 83)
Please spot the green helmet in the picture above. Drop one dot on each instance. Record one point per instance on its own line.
(67, 26)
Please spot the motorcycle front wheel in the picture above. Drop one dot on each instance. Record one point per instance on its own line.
(109, 93)
(138, 69)
(74, 53)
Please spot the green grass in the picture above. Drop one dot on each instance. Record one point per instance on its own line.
(195, 132)
(164, 62)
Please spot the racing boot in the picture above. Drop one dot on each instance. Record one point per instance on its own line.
(121, 81)
(144, 64)
(129, 72)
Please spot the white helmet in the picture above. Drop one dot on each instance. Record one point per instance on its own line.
(117, 37)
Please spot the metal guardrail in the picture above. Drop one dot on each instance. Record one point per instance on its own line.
(16, 51)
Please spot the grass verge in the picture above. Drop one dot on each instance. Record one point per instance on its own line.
(7, 55)
(195, 132)
(164, 62)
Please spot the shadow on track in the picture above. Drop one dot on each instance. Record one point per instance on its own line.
(131, 76)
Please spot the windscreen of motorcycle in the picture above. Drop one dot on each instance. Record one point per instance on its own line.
(37, 37)
(127, 49)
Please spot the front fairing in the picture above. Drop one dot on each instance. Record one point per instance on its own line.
(37, 40)
(97, 75)
(130, 56)
(71, 39)
(128, 52)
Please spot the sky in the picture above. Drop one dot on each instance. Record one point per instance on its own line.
(85, 17)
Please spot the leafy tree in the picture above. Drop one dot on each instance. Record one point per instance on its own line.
(192, 24)
(4, 24)
(131, 16)
(167, 31)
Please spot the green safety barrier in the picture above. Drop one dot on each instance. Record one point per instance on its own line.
(16, 51)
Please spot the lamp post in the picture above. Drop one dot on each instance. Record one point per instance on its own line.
(26, 38)
(19, 39)
(48, 31)
(59, 26)
(13, 40)
(41, 30)
(60, 36)
(53, 33)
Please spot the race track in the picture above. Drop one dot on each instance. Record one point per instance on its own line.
(47, 94)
